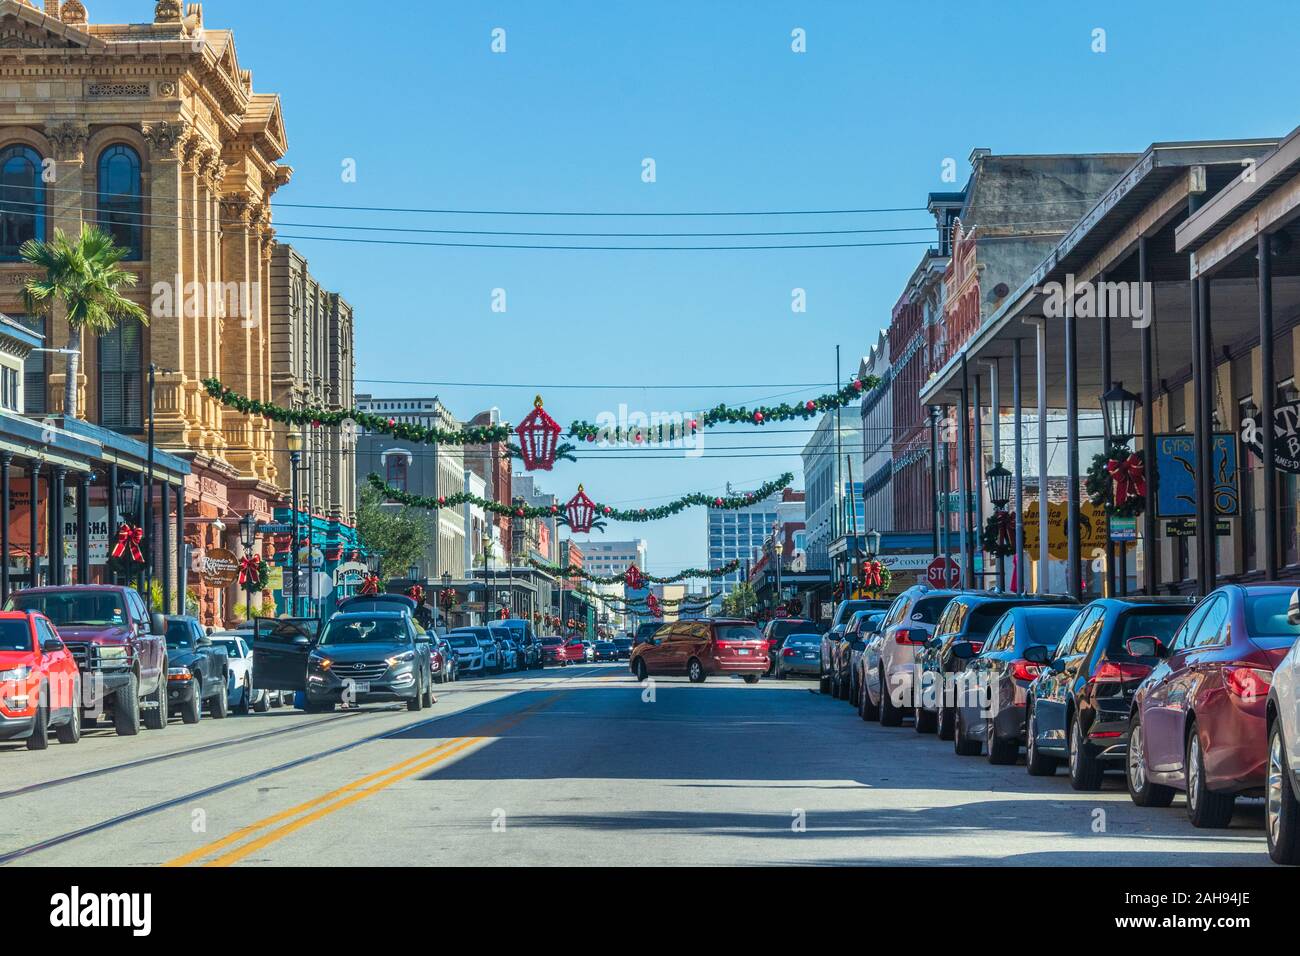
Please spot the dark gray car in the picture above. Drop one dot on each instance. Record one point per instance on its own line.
(798, 654)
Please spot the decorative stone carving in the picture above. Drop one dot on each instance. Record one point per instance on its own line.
(167, 11)
(216, 175)
(69, 140)
(73, 13)
(167, 140)
(235, 209)
(167, 88)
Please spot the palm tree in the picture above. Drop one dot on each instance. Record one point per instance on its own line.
(83, 277)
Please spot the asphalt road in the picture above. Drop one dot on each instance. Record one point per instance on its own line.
(573, 766)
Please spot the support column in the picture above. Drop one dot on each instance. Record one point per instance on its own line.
(1106, 374)
(934, 479)
(1201, 379)
(995, 424)
(6, 459)
(1017, 399)
(977, 476)
(181, 565)
(83, 530)
(1074, 563)
(1150, 544)
(165, 527)
(55, 506)
(1267, 407)
(1044, 547)
(33, 522)
(964, 481)
(1208, 398)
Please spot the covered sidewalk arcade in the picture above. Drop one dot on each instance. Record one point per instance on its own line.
(1182, 285)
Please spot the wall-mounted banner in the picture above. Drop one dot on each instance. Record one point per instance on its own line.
(1176, 475)
(1286, 437)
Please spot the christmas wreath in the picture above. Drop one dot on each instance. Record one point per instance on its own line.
(369, 585)
(998, 537)
(254, 573)
(876, 578)
(1117, 481)
(126, 558)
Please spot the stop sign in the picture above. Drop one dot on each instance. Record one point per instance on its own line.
(942, 572)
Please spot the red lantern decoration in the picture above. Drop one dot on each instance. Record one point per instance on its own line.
(633, 577)
(581, 511)
(652, 603)
(538, 434)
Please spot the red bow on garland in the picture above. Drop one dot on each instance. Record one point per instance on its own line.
(370, 584)
(129, 537)
(871, 574)
(416, 593)
(1128, 478)
(250, 569)
(1005, 523)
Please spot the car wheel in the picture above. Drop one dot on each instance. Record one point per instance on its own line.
(155, 717)
(1086, 771)
(245, 698)
(263, 703)
(1141, 790)
(1281, 810)
(823, 682)
(1001, 751)
(751, 678)
(219, 709)
(962, 744)
(778, 673)
(926, 721)
(868, 709)
(945, 722)
(891, 715)
(312, 707)
(40, 737)
(1205, 808)
(416, 702)
(695, 671)
(192, 709)
(1038, 764)
(126, 707)
(70, 732)
(639, 670)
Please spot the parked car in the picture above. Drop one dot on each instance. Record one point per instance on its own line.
(507, 653)
(798, 654)
(442, 660)
(889, 658)
(701, 648)
(243, 695)
(606, 651)
(993, 688)
(359, 657)
(563, 650)
(469, 652)
(839, 621)
(1199, 721)
(530, 649)
(646, 630)
(622, 648)
(848, 652)
(120, 649)
(197, 671)
(775, 631)
(1079, 705)
(967, 618)
(589, 651)
(40, 684)
(1282, 796)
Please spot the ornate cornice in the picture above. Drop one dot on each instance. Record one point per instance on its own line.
(168, 140)
(167, 11)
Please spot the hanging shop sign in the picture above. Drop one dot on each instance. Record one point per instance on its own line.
(349, 574)
(1286, 436)
(1123, 529)
(1176, 476)
(218, 567)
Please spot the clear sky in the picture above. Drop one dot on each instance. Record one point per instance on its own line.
(734, 120)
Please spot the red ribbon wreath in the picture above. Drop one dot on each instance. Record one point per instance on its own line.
(1127, 477)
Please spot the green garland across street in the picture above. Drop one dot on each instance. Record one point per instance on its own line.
(730, 503)
(575, 571)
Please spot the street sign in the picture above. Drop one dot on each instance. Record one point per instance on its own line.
(943, 572)
(1123, 529)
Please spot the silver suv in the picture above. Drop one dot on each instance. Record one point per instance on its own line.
(889, 660)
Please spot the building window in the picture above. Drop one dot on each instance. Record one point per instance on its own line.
(395, 471)
(33, 370)
(121, 203)
(120, 370)
(9, 388)
(22, 200)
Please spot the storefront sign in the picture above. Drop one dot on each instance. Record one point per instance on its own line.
(1123, 529)
(218, 567)
(1092, 528)
(1176, 475)
(349, 574)
(1286, 437)
(1186, 528)
(97, 528)
(275, 578)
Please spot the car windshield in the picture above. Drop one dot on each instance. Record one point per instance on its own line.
(15, 636)
(70, 608)
(781, 628)
(1046, 625)
(179, 634)
(1159, 624)
(1266, 615)
(738, 632)
(928, 609)
(232, 647)
(983, 617)
(462, 640)
(366, 630)
(552, 641)
(803, 640)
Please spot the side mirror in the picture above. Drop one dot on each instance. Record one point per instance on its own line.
(1038, 654)
(1148, 646)
(933, 643)
(51, 645)
(963, 650)
(1293, 611)
(203, 641)
(1058, 665)
(157, 623)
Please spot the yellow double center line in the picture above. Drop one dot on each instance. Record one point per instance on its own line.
(304, 814)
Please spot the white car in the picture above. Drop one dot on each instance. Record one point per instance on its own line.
(469, 652)
(239, 691)
(889, 661)
(1282, 790)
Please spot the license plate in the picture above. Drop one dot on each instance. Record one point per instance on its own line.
(811, 657)
(361, 687)
(742, 650)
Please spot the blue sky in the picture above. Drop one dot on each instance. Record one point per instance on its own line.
(734, 121)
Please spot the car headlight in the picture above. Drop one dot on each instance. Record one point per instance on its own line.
(114, 655)
(404, 658)
(179, 673)
(15, 673)
(319, 661)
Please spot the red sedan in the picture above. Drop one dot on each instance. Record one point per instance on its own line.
(563, 650)
(1199, 720)
(39, 682)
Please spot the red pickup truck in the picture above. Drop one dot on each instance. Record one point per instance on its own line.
(120, 649)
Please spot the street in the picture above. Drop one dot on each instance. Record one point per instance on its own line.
(569, 767)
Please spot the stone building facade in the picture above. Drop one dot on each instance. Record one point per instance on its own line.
(154, 132)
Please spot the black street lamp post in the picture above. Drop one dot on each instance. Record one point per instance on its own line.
(248, 537)
(294, 442)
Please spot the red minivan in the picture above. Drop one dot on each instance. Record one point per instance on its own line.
(40, 684)
(1199, 719)
(700, 648)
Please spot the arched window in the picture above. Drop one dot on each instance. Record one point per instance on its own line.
(395, 470)
(121, 206)
(22, 200)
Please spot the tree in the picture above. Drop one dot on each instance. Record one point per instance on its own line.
(741, 601)
(396, 533)
(82, 276)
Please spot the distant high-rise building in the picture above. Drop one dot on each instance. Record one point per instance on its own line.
(738, 535)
